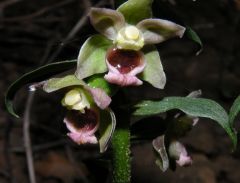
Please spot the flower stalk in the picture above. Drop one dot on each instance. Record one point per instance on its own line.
(121, 160)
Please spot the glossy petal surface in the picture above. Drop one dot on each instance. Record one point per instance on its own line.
(82, 126)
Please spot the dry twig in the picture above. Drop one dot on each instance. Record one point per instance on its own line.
(70, 35)
(27, 138)
(76, 28)
(37, 13)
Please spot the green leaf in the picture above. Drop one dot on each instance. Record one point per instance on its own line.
(235, 109)
(191, 34)
(91, 59)
(97, 81)
(136, 10)
(37, 75)
(55, 84)
(159, 146)
(153, 72)
(106, 128)
(197, 107)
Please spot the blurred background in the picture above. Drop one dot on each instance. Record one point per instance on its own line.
(34, 33)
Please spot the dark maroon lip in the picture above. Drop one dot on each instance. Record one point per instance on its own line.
(83, 121)
(124, 60)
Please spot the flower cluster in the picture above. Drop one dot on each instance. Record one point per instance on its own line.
(124, 52)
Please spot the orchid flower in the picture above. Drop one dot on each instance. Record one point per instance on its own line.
(82, 119)
(84, 105)
(126, 48)
(178, 152)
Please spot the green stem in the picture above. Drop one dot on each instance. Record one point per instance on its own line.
(121, 155)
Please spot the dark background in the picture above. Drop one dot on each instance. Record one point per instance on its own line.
(33, 33)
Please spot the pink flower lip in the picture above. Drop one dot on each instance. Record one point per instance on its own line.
(184, 160)
(82, 126)
(123, 66)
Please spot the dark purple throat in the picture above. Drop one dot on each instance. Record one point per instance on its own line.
(85, 121)
(124, 60)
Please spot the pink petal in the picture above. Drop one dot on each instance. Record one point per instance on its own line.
(81, 138)
(184, 160)
(125, 61)
(107, 21)
(122, 79)
(100, 97)
(157, 30)
(178, 151)
(82, 123)
(121, 73)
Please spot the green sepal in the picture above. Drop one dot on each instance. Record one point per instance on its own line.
(136, 10)
(55, 84)
(91, 59)
(153, 71)
(107, 21)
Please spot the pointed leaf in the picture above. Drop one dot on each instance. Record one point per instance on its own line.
(136, 10)
(106, 21)
(235, 109)
(158, 30)
(91, 59)
(197, 107)
(106, 128)
(37, 75)
(153, 72)
(191, 34)
(159, 146)
(55, 84)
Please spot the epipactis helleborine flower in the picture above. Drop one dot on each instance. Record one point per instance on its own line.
(125, 59)
(83, 118)
(179, 153)
(84, 104)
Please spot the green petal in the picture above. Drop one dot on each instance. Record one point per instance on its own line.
(106, 21)
(91, 59)
(153, 72)
(158, 30)
(136, 10)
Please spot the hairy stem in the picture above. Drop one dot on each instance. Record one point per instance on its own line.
(121, 155)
